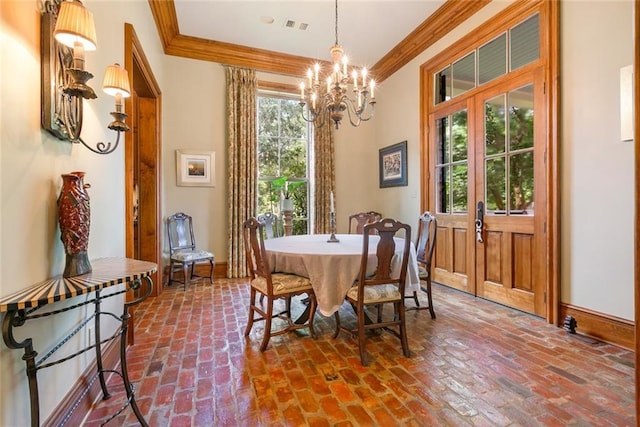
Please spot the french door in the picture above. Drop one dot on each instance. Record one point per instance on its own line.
(488, 190)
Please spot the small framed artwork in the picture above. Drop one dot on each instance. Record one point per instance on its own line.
(195, 168)
(393, 165)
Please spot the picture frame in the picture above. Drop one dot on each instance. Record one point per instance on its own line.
(195, 168)
(393, 165)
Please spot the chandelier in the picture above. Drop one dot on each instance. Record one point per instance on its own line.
(332, 97)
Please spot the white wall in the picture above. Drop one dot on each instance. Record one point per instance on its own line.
(194, 118)
(31, 162)
(597, 169)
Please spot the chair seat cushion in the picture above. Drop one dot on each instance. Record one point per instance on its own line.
(377, 293)
(189, 255)
(282, 283)
(423, 273)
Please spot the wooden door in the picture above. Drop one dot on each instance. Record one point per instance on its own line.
(452, 172)
(510, 194)
(489, 166)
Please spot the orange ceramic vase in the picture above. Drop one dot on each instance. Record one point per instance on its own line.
(74, 219)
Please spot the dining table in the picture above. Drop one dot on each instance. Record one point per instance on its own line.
(332, 267)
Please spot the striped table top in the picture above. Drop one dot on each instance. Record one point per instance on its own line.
(105, 272)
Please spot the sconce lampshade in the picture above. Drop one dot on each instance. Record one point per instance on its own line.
(75, 24)
(116, 81)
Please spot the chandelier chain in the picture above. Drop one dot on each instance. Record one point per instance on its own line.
(336, 23)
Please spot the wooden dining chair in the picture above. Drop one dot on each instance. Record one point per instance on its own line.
(378, 289)
(273, 286)
(425, 245)
(357, 221)
(183, 253)
(272, 225)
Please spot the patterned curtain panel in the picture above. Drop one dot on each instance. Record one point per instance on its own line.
(325, 175)
(241, 163)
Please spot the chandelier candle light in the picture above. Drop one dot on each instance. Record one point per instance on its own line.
(336, 99)
(332, 221)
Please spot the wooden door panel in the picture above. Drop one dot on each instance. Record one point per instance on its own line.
(523, 258)
(460, 250)
(508, 269)
(452, 255)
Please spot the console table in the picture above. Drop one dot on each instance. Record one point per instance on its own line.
(107, 272)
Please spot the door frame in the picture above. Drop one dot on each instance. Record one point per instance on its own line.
(149, 143)
(550, 54)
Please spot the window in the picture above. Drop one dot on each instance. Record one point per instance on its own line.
(518, 47)
(283, 158)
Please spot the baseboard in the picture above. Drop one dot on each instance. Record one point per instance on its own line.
(610, 329)
(110, 358)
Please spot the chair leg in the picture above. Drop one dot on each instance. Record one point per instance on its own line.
(267, 325)
(415, 298)
(337, 317)
(170, 273)
(250, 319)
(213, 264)
(361, 336)
(185, 270)
(312, 314)
(403, 329)
(429, 299)
(288, 306)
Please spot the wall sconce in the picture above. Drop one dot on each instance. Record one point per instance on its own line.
(67, 31)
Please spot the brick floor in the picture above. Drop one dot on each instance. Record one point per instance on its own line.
(477, 364)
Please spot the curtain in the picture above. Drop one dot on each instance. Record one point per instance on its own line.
(325, 174)
(241, 162)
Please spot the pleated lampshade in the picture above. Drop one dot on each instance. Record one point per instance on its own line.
(116, 81)
(75, 24)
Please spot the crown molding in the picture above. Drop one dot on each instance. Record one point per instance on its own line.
(445, 19)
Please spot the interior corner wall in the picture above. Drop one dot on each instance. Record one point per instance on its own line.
(31, 162)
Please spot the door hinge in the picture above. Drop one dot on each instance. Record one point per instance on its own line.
(544, 88)
(544, 227)
(544, 296)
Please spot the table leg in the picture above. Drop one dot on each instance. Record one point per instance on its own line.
(15, 318)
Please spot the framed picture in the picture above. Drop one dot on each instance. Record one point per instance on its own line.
(393, 165)
(195, 168)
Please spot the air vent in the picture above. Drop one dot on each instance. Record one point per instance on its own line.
(290, 23)
(303, 26)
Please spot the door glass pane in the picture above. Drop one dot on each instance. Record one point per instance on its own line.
(494, 119)
(521, 118)
(521, 183)
(492, 59)
(460, 133)
(464, 74)
(525, 42)
(495, 185)
(442, 186)
(459, 181)
(442, 141)
(442, 85)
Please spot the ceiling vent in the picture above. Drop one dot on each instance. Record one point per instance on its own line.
(290, 23)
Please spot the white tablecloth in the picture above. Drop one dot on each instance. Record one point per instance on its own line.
(331, 267)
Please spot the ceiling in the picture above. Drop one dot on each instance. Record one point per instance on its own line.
(367, 30)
